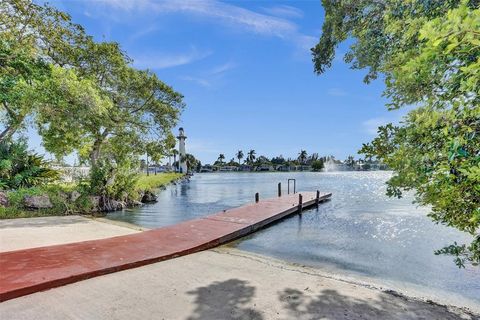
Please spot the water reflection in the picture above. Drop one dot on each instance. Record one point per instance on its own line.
(299, 230)
(360, 231)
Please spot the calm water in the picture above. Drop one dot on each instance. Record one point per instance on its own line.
(360, 233)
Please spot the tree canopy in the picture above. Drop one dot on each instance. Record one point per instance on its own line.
(33, 39)
(429, 55)
(83, 96)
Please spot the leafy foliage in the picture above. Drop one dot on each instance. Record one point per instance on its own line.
(21, 169)
(111, 179)
(429, 54)
(193, 164)
(317, 165)
(20, 76)
(33, 38)
(239, 156)
(84, 96)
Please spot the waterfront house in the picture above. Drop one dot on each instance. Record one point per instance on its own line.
(284, 168)
(228, 168)
(264, 167)
(206, 168)
(245, 167)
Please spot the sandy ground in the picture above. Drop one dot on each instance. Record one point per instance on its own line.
(223, 283)
(16, 234)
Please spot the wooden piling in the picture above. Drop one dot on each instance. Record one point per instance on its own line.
(279, 189)
(300, 202)
(257, 197)
(317, 199)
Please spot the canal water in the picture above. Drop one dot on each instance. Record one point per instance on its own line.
(360, 234)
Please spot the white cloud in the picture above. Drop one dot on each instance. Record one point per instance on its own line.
(143, 32)
(126, 4)
(284, 11)
(337, 92)
(224, 13)
(395, 117)
(212, 77)
(202, 82)
(371, 125)
(222, 68)
(306, 42)
(167, 60)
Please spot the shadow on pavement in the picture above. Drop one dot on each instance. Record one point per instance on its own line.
(224, 300)
(234, 299)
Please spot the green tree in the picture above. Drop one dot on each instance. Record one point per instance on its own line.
(350, 162)
(239, 156)
(262, 160)
(302, 156)
(251, 156)
(278, 160)
(220, 158)
(84, 96)
(33, 38)
(429, 55)
(174, 153)
(317, 165)
(113, 113)
(20, 76)
(193, 164)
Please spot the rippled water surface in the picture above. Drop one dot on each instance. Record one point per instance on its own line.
(360, 232)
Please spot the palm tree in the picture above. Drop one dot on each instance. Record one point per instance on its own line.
(175, 153)
(221, 157)
(191, 161)
(314, 157)
(302, 156)
(251, 156)
(350, 161)
(239, 156)
(170, 154)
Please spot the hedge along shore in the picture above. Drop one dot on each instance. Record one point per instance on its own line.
(68, 199)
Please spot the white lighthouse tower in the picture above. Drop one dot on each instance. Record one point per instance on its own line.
(182, 164)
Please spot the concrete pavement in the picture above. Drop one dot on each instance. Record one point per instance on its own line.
(222, 284)
(17, 234)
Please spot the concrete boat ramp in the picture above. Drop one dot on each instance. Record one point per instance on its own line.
(27, 271)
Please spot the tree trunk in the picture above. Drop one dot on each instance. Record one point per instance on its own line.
(95, 153)
(7, 133)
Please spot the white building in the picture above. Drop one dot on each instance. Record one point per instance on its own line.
(182, 164)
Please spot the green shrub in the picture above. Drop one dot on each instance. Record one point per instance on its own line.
(113, 180)
(21, 169)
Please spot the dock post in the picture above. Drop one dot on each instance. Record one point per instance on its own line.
(279, 189)
(294, 185)
(317, 200)
(300, 202)
(257, 197)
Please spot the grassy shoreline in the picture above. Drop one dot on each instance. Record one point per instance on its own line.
(156, 181)
(62, 205)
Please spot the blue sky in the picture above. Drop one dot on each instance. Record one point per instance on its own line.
(245, 70)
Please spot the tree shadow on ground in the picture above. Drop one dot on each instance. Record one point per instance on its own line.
(224, 300)
(330, 304)
(234, 298)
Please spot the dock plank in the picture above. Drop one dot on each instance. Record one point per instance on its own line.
(30, 270)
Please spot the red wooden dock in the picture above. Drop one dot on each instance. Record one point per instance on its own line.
(27, 271)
